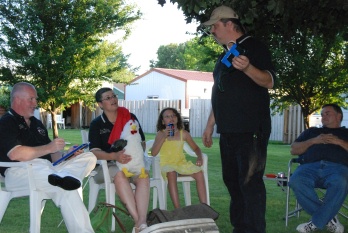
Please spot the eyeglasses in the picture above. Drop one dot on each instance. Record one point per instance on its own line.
(109, 98)
(169, 116)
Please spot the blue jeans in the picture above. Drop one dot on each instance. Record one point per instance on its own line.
(322, 174)
(243, 158)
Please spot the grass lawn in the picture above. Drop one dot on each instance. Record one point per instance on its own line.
(16, 218)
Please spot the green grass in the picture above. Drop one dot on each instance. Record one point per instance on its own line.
(16, 218)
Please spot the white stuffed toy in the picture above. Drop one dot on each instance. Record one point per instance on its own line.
(133, 148)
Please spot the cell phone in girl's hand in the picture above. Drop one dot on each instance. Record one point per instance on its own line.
(71, 153)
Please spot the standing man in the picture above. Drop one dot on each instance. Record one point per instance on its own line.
(323, 155)
(240, 110)
(25, 138)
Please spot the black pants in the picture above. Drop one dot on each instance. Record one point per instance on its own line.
(243, 157)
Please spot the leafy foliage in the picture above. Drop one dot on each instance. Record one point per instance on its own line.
(199, 53)
(170, 56)
(5, 97)
(265, 17)
(311, 73)
(57, 46)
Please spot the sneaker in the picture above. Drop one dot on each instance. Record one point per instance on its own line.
(67, 182)
(306, 227)
(335, 226)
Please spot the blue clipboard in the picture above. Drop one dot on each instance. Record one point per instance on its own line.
(71, 153)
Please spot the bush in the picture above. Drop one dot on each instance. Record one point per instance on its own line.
(5, 97)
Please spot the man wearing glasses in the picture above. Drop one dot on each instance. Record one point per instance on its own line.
(103, 132)
(240, 109)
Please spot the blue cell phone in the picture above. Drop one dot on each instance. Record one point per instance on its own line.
(71, 153)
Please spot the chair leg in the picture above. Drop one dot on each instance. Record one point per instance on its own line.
(207, 188)
(5, 198)
(187, 192)
(112, 201)
(164, 194)
(36, 207)
(93, 194)
(154, 197)
(159, 194)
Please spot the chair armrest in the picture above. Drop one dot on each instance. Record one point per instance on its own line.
(190, 152)
(13, 164)
(26, 165)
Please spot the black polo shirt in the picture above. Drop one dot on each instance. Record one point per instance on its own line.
(240, 105)
(327, 152)
(14, 131)
(100, 129)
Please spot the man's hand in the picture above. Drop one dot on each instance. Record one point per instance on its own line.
(121, 157)
(207, 137)
(241, 63)
(57, 144)
(76, 153)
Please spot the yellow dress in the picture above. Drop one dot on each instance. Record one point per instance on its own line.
(172, 158)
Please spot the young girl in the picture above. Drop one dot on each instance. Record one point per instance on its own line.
(173, 161)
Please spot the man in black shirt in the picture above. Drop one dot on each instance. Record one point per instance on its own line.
(25, 138)
(240, 109)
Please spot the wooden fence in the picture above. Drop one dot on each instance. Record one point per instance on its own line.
(285, 127)
(147, 111)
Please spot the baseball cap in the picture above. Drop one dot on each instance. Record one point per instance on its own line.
(221, 12)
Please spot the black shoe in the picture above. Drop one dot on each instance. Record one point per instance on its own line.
(67, 182)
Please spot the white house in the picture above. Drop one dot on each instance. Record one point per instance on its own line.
(171, 84)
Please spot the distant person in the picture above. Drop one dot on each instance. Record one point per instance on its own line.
(240, 109)
(24, 138)
(103, 131)
(172, 159)
(323, 155)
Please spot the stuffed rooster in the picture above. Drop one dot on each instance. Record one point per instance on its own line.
(133, 148)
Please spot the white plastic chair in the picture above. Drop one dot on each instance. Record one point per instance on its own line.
(108, 185)
(59, 120)
(36, 198)
(185, 180)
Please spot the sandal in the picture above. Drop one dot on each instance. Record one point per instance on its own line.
(140, 228)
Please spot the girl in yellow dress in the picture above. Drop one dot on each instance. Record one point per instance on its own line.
(173, 161)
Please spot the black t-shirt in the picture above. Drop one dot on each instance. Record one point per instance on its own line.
(242, 106)
(14, 131)
(99, 132)
(327, 152)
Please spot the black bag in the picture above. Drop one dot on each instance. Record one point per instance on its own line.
(188, 212)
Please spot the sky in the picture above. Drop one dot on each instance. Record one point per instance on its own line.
(158, 26)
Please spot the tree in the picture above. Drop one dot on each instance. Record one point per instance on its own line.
(195, 54)
(170, 56)
(263, 18)
(58, 47)
(201, 53)
(311, 73)
(5, 97)
(308, 41)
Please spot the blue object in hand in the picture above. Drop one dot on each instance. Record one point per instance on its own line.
(233, 50)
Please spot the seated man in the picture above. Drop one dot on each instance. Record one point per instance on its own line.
(25, 138)
(323, 155)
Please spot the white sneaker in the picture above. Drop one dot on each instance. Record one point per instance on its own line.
(335, 226)
(306, 227)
